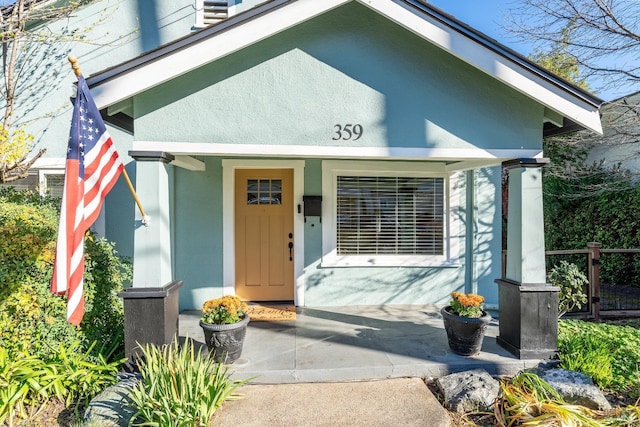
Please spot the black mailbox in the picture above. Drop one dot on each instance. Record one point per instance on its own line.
(312, 205)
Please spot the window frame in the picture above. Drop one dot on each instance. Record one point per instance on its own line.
(40, 178)
(330, 172)
(43, 183)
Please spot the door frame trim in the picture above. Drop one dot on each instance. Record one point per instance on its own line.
(229, 167)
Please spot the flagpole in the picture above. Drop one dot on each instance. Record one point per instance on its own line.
(145, 219)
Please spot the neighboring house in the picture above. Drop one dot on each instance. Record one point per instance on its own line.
(113, 31)
(619, 146)
(336, 152)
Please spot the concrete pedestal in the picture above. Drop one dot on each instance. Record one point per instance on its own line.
(528, 324)
(150, 316)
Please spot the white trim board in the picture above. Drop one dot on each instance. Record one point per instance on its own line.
(337, 152)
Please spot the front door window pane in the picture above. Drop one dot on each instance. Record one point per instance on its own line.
(264, 191)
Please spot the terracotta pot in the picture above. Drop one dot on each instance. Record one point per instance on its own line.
(225, 341)
(465, 334)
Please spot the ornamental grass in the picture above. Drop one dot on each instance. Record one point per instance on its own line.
(180, 386)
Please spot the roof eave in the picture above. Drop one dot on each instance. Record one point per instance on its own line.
(164, 63)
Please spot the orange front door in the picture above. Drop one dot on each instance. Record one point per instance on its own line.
(264, 234)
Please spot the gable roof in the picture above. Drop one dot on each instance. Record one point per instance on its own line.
(566, 105)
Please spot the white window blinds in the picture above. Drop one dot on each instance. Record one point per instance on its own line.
(390, 215)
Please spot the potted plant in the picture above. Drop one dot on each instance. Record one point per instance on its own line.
(465, 321)
(224, 322)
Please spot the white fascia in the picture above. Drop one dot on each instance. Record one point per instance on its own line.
(489, 157)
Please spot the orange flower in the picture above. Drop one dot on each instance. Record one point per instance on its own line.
(224, 310)
(467, 305)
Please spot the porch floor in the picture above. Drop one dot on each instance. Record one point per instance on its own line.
(356, 343)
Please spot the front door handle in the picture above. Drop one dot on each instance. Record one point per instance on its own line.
(290, 251)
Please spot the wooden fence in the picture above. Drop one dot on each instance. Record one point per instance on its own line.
(617, 301)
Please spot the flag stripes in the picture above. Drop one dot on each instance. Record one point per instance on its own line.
(92, 169)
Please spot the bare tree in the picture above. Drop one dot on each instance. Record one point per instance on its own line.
(24, 34)
(605, 35)
(592, 40)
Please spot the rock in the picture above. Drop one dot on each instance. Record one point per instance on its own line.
(111, 408)
(468, 391)
(574, 387)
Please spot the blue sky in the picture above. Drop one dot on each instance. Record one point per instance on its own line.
(486, 16)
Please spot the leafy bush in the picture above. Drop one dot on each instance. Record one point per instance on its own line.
(586, 354)
(179, 386)
(106, 274)
(27, 248)
(572, 283)
(28, 231)
(590, 203)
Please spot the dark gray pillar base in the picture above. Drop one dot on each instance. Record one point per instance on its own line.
(528, 320)
(150, 316)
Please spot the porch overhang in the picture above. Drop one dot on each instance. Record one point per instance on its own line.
(456, 159)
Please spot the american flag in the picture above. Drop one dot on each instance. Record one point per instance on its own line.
(92, 169)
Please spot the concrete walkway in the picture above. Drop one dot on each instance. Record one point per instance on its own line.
(394, 402)
(348, 366)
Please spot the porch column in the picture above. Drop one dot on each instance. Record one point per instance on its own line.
(151, 304)
(528, 305)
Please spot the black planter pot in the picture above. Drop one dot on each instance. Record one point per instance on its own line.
(225, 341)
(465, 334)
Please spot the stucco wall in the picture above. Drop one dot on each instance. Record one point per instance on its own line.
(348, 66)
(197, 232)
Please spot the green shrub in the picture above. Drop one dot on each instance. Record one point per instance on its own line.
(106, 274)
(179, 386)
(590, 203)
(27, 308)
(572, 283)
(28, 231)
(586, 354)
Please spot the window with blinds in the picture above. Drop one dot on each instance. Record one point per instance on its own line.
(390, 215)
(46, 183)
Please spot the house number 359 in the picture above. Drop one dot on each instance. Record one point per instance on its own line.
(347, 132)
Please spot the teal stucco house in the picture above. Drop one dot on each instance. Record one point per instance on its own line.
(340, 152)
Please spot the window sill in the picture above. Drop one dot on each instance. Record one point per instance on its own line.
(333, 261)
